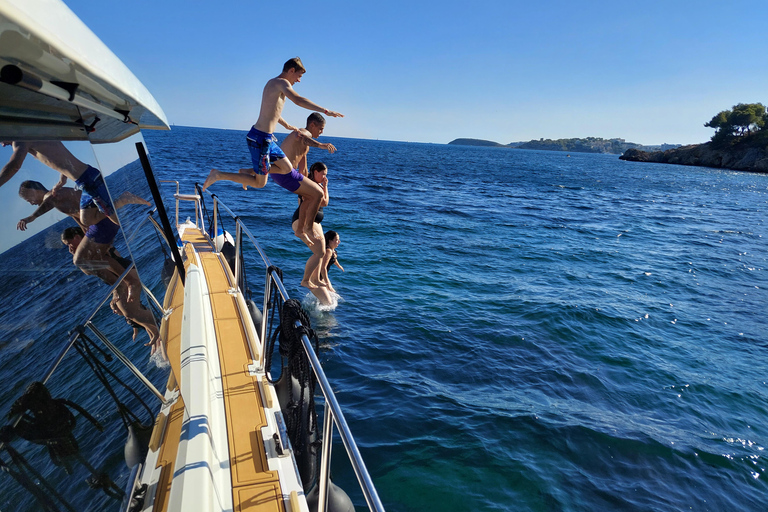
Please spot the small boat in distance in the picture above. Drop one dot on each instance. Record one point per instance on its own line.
(238, 413)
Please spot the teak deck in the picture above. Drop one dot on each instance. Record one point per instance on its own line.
(254, 486)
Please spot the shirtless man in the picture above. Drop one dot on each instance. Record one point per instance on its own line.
(266, 156)
(90, 255)
(57, 157)
(133, 311)
(296, 146)
(66, 200)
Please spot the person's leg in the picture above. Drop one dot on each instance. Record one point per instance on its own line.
(245, 177)
(130, 198)
(138, 314)
(311, 277)
(323, 296)
(91, 216)
(93, 258)
(312, 194)
(94, 192)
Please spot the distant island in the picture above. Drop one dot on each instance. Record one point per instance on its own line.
(585, 145)
(740, 143)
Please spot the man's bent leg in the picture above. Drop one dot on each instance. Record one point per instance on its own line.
(243, 177)
(312, 194)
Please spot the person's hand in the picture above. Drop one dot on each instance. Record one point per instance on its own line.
(324, 183)
(332, 113)
(330, 147)
(22, 225)
(57, 187)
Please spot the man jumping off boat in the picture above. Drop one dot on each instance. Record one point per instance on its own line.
(295, 147)
(266, 156)
(91, 253)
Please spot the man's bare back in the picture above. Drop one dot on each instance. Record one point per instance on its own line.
(296, 147)
(57, 157)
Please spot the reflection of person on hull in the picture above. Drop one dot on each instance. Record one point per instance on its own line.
(133, 311)
(57, 157)
(318, 173)
(90, 254)
(332, 241)
(266, 156)
(66, 200)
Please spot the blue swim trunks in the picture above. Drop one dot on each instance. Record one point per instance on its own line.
(103, 232)
(264, 150)
(95, 192)
(290, 181)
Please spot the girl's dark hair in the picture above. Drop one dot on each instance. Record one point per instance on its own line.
(71, 233)
(330, 235)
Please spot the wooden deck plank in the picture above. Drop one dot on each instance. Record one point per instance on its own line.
(255, 487)
(264, 497)
(168, 451)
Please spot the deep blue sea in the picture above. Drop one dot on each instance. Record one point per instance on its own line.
(529, 331)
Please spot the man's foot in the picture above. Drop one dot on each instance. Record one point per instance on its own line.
(130, 198)
(212, 178)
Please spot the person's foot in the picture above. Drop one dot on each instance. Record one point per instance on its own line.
(310, 233)
(157, 346)
(310, 285)
(131, 198)
(212, 178)
(304, 238)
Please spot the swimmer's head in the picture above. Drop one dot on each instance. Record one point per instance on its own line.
(71, 237)
(32, 192)
(295, 64)
(315, 124)
(318, 171)
(293, 70)
(332, 239)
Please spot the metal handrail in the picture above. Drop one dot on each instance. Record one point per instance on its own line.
(333, 413)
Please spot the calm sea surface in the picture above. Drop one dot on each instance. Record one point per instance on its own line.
(530, 331)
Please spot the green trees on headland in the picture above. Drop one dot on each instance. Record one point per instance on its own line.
(742, 121)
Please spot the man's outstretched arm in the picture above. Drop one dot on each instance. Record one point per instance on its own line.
(309, 141)
(39, 212)
(287, 126)
(20, 150)
(304, 102)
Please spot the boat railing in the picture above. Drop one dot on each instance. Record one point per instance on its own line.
(333, 415)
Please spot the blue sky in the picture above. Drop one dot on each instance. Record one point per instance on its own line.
(649, 72)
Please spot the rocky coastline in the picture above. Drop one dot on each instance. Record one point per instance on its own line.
(738, 157)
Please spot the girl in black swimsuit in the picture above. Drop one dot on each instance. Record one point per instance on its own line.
(312, 270)
(332, 241)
